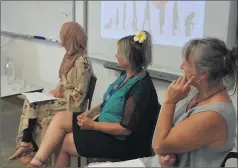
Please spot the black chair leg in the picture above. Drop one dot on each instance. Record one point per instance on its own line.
(79, 161)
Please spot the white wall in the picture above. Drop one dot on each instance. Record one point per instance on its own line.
(38, 62)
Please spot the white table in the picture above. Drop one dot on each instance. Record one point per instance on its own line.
(16, 87)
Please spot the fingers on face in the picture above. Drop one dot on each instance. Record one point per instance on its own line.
(184, 80)
(179, 80)
(188, 83)
(191, 79)
(173, 82)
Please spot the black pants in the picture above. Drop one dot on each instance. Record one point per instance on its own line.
(27, 133)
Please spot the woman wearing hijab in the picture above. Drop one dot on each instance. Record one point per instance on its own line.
(75, 73)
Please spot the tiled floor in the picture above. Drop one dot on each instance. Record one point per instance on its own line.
(9, 122)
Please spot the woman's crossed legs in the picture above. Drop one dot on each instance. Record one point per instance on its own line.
(58, 133)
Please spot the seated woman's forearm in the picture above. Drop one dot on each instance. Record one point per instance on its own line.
(165, 123)
(94, 111)
(111, 128)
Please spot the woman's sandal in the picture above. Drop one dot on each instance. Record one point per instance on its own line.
(32, 165)
(27, 149)
(25, 160)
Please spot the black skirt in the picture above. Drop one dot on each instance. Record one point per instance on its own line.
(90, 143)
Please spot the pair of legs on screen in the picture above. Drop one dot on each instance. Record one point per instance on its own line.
(59, 133)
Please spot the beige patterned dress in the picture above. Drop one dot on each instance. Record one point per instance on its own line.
(74, 86)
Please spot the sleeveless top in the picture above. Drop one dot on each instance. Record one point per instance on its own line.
(204, 156)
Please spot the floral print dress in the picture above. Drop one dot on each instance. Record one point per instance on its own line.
(74, 87)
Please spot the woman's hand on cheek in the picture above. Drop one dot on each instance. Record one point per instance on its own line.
(178, 90)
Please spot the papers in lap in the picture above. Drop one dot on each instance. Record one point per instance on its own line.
(38, 97)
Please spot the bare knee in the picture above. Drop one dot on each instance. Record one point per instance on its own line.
(64, 120)
(63, 116)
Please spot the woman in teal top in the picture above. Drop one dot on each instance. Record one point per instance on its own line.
(117, 100)
(127, 116)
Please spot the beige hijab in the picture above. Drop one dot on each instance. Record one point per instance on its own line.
(74, 39)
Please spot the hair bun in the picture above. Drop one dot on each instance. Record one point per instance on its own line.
(135, 44)
(230, 60)
(234, 52)
(233, 55)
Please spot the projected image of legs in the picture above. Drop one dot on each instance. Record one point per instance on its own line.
(175, 26)
(124, 13)
(147, 17)
(189, 24)
(134, 21)
(161, 7)
(169, 22)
